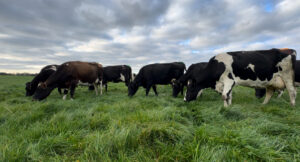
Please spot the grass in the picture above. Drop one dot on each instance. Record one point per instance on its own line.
(114, 127)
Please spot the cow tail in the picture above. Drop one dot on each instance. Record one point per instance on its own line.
(294, 62)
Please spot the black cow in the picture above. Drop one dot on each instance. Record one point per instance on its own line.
(192, 72)
(118, 73)
(270, 69)
(68, 75)
(152, 74)
(259, 93)
(42, 76)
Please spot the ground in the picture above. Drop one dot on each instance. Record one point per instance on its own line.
(115, 127)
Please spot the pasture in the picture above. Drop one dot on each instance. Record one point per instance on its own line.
(114, 127)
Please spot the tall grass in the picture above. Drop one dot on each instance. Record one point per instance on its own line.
(114, 127)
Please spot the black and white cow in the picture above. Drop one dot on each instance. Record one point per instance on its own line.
(117, 73)
(270, 69)
(42, 76)
(69, 75)
(259, 93)
(152, 74)
(192, 72)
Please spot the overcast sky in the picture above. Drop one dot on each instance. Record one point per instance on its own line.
(35, 33)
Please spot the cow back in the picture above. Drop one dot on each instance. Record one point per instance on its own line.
(161, 73)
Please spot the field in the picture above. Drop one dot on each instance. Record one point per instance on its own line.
(114, 127)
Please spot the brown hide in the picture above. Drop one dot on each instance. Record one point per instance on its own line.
(86, 72)
(68, 75)
(287, 50)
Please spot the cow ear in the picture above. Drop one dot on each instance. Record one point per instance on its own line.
(173, 81)
(286, 51)
(42, 85)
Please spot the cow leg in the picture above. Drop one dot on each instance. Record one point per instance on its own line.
(292, 93)
(154, 89)
(199, 93)
(289, 84)
(182, 87)
(59, 90)
(147, 90)
(101, 87)
(229, 100)
(96, 88)
(269, 93)
(105, 85)
(288, 79)
(280, 93)
(65, 94)
(291, 89)
(72, 90)
(226, 96)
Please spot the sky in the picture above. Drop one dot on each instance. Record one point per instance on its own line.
(36, 33)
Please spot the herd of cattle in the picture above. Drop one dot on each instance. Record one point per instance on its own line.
(265, 70)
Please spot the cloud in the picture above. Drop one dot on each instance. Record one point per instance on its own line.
(37, 33)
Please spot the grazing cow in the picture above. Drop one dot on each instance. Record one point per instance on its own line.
(115, 74)
(153, 74)
(192, 72)
(259, 93)
(41, 77)
(68, 75)
(270, 69)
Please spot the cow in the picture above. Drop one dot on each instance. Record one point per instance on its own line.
(259, 93)
(41, 77)
(270, 69)
(68, 75)
(191, 73)
(117, 73)
(152, 74)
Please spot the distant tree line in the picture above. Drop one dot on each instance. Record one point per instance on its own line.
(18, 74)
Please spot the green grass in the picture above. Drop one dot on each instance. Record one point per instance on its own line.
(114, 127)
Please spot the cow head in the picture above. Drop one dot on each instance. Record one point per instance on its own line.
(29, 89)
(192, 91)
(132, 88)
(42, 91)
(176, 86)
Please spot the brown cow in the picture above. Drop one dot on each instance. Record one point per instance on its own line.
(68, 75)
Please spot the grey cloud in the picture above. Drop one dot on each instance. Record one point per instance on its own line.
(139, 32)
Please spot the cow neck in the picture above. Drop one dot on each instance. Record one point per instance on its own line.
(138, 79)
(51, 80)
(184, 77)
(35, 81)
